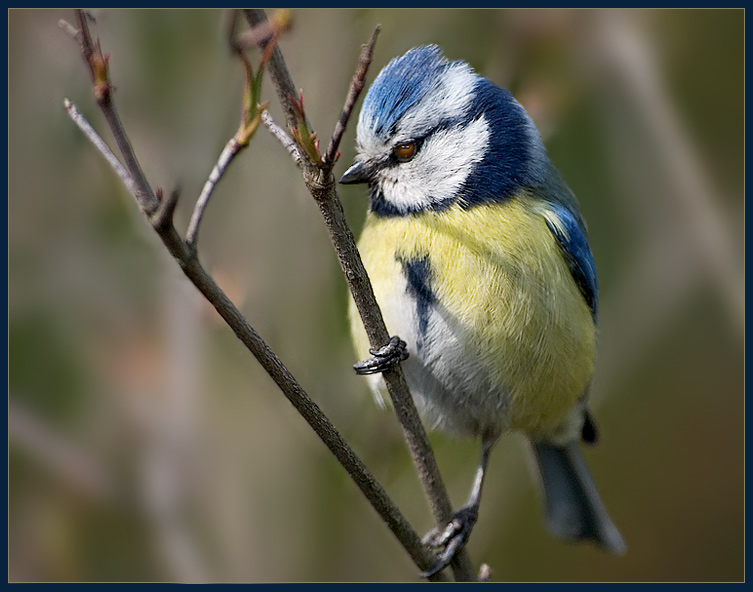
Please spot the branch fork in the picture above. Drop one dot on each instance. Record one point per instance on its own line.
(317, 173)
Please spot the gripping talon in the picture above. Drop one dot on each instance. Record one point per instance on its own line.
(451, 539)
(445, 557)
(383, 358)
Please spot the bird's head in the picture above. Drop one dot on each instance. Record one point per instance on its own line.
(433, 133)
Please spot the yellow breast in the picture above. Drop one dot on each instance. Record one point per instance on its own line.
(512, 311)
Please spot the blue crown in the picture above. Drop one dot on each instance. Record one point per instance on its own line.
(401, 85)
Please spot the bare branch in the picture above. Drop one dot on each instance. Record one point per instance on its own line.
(98, 66)
(159, 212)
(250, 118)
(320, 183)
(356, 86)
(278, 69)
(232, 148)
(287, 142)
(311, 413)
(99, 144)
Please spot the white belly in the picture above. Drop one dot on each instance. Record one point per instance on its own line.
(452, 390)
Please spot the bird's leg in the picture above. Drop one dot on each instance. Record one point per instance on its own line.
(383, 358)
(455, 535)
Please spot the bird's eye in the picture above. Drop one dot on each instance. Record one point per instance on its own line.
(405, 151)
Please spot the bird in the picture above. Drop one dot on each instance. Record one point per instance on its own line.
(479, 259)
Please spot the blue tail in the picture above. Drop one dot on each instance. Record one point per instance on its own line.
(574, 509)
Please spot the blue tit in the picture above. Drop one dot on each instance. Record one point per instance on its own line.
(480, 262)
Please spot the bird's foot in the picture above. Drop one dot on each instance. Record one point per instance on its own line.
(383, 358)
(450, 540)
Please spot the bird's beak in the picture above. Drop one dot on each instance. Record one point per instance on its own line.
(357, 173)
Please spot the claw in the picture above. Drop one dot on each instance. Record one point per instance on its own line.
(455, 535)
(383, 358)
(451, 539)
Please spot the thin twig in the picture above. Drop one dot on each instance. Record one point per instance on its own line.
(232, 148)
(278, 69)
(251, 112)
(99, 144)
(287, 142)
(321, 185)
(356, 86)
(98, 67)
(186, 257)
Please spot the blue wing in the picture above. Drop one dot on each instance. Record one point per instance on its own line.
(573, 243)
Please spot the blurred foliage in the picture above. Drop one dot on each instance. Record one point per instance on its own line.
(146, 444)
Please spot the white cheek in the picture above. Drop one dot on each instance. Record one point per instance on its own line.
(439, 170)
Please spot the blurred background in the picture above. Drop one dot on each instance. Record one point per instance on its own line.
(145, 443)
